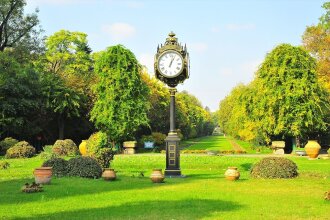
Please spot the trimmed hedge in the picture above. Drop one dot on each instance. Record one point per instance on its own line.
(65, 148)
(274, 168)
(59, 165)
(7, 143)
(86, 167)
(21, 150)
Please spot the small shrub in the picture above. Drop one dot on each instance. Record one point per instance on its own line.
(59, 165)
(103, 156)
(86, 167)
(159, 138)
(97, 147)
(7, 143)
(4, 165)
(47, 152)
(65, 148)
(274, 167)
(96, 141)
(21, 150)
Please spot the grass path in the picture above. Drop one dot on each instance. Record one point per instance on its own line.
(219, 143)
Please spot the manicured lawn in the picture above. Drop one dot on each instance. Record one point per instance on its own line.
(210, 143)
(203, 194)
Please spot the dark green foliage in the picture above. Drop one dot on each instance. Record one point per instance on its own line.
(59, 165)
(103, 156)
(274, 167)
(86, 167)
(159, 138)
(121, 95)
(7, 143)
(20, 99)
(21, 150)
(65, 148)
(4, 165)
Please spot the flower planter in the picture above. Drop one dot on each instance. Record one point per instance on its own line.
(312, 149)
(43, 175)
(109, 174)
(232, 173)
(157, 176)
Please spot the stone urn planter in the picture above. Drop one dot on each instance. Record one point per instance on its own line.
(157, 176)
(43, 175)
(232, 173)
(312, 149)
(129, 147)
(278, 147)
(109, 174)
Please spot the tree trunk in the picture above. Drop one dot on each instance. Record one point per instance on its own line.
(60, 122)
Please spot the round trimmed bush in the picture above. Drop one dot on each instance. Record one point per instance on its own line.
(60, 166)
(21, 150)
(7, 143)
(86, 167)
(274, 167)
(65, 148)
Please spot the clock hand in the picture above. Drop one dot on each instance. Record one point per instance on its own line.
(171, 62)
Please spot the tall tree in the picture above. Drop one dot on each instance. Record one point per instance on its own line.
(20, 98)
(121, 95)
(289, 100)
(316, 40)
(68, 58)
(17, 29)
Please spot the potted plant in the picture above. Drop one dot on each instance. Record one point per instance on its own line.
(148, 141)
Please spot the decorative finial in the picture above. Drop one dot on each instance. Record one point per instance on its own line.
(171, 40)
(171, 34)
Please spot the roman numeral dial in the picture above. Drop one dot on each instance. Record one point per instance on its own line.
(170, 64)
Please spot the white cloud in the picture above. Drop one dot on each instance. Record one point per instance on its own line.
(119, 31)
(240, 27)
(147, 60)
(197, 47)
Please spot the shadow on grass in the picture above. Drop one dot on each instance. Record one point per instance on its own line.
(155, 209)
(72, 186)
(247, 166)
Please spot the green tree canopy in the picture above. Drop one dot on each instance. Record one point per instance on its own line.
(288, 100)
(121, 95)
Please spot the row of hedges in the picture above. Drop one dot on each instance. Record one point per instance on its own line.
(86, 167)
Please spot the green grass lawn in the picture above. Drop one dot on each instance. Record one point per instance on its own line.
(210, 143)
(203, 194)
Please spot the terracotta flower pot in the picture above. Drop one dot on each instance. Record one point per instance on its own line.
(43, 175)
(232, 173)
(157, 176)
(312, 149)
(109, 174)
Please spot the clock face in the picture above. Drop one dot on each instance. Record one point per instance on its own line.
(170, 64)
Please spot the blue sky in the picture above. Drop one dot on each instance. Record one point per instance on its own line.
(227, 40)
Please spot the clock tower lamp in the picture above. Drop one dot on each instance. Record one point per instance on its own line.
(172, 67)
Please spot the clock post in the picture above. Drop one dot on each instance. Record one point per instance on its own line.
(172, 67)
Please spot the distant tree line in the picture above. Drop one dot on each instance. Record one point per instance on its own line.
(55, 87)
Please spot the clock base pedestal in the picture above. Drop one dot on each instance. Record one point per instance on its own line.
(172, 156)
